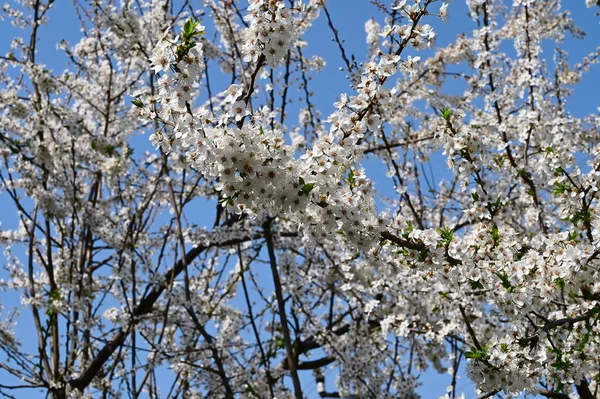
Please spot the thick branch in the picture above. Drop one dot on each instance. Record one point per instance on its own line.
(569, 320)
(291, 358)
(145, 306)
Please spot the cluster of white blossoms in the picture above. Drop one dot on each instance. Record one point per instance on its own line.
(258, 172)
(271, 31)
(419, 35)
(372, 29)
(179, 63)
(253, 164)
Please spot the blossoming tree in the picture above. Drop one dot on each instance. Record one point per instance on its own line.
(304, 281)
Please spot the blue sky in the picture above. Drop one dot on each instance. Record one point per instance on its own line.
(349, 17)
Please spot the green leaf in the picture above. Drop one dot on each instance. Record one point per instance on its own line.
(189, 29)
(447, 234)
(496, 206)
(477, 354)
(560, 364)
(446, 113)
(559, 188)
(495, 235)
(279, 343)
(560, 283)
(137, 103)
(55, 295)
(581, 216)
(519, 255)
(351, 178)
(505, 281)
(408, 230)
(226, 201)
(573, 236)
(306, 189)
(476, 285)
